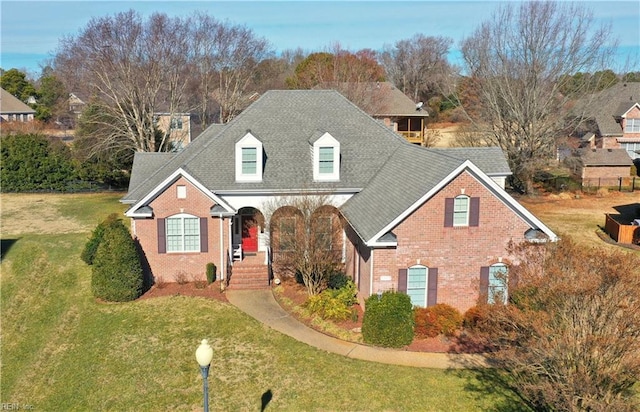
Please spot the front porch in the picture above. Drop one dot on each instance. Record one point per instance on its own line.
(251, 271)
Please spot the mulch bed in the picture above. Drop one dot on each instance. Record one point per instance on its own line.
(297, 294)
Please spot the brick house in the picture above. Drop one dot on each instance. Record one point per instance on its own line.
(434, 223)
(614, 116)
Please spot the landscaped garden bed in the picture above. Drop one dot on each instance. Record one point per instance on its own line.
(292, 297)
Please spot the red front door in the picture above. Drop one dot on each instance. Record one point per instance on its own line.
(249, 234)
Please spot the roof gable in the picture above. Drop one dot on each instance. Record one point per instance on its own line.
(11, 105)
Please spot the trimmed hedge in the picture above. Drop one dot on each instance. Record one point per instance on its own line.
(388, 322)
(116, 272)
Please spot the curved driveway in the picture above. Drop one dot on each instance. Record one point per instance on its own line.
(261, 305)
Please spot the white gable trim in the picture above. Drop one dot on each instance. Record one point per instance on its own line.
(520, 210)
(624, 115)
(324, 141)
(168, 182)
(249, 141)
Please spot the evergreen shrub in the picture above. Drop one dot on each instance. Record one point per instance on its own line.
(388, 322)
(90, 248)
(211, 273)
(116, 272)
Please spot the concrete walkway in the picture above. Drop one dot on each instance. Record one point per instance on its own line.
(261, 305)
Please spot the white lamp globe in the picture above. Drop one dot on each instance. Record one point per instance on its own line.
(204, 353)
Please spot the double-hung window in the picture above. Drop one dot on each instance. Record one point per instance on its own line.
(183, 233)
(249, 160)
(497, 292)
(461, 211)
(326, 160)
(632, 126)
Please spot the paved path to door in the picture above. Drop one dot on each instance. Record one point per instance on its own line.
(261, 305)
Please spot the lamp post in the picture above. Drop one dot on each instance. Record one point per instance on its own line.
(204, 355)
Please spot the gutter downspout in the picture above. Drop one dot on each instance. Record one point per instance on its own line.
(371, 274)
(223, 267)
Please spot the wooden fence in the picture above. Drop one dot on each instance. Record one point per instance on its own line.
(619, 232)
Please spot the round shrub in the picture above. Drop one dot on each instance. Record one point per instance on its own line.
(116, 273)
(337, 280)
(448, 317)
(426, 323)
(388, 322)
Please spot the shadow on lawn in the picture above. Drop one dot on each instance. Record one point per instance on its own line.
(5, 245)
(265, 399)
(495, 383)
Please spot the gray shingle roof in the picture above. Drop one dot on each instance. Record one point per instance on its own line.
(606, 157)
(611, 103)
(389, 173)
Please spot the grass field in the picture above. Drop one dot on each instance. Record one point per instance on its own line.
(63, 351)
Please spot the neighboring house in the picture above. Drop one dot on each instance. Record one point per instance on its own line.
(604, 167)
(615, 112)
(404, 116)
(388, 104)
(435, 223)
(179, 127)
(13, 110)
(76, 104)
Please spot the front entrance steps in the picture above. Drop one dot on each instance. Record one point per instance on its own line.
(250, 273)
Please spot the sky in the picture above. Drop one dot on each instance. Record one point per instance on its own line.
(30, 30)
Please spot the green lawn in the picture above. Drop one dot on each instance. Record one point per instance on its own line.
(63, 351)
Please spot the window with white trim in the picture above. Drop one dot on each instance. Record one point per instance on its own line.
(181, 192)
(249, 159)
(461, 211)
(183, 233)
(326, 158)
(633, 149)
(497, 292)
(632, 126)
(417, 285)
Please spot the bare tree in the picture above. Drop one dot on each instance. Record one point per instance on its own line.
(134, 68)
(306, 238)
(517, 60)
(130, 68)
(418, 66)
(569, 338)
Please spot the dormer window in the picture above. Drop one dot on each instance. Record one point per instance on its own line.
(326, 158)
(249, 159)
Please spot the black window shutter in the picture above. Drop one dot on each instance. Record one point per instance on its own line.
(448, 212)
(432, 287)
(402, 280)
(474, 211)
(162, 237)
(204, 238)
(484, 283)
